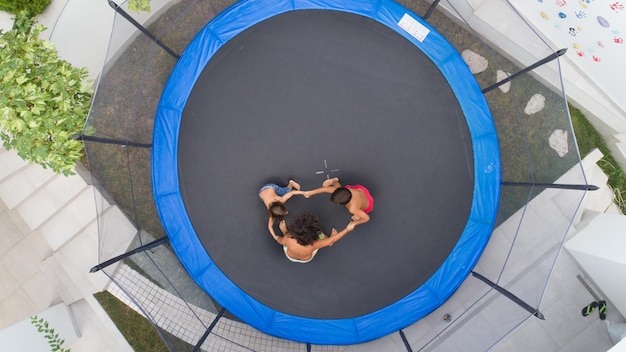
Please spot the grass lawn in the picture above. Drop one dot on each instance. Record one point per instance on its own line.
(588, 139)
(137, 330)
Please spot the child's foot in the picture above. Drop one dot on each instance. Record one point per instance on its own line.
(589, 308)
(602, 309)
(293, 185)
(330, 182)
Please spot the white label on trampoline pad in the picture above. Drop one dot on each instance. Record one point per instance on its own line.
(413, 27)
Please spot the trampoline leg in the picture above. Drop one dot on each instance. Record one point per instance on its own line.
(209, 329)
(546, 59)
(156, 40)
(82, 137)
(405, 341)
(146, 246)
(431, 9)
(552, 185)
(509, 295)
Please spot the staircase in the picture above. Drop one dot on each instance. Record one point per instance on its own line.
(48, 243)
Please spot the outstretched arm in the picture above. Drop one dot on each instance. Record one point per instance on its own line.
(288, 195)
(334, 237)
(359, 217)
(270, 227)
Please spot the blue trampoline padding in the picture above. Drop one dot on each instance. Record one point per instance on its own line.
(208, 276)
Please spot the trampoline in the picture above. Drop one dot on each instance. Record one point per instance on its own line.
(365, 91)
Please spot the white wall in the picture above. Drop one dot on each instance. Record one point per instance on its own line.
(594, 34)
(595, 91)
(600, 250)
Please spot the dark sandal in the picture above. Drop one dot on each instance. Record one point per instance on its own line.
(602, 310)
(589, 308)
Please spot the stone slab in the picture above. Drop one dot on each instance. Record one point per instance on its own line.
(41, 205)
(10, 162)
(18, 187)
(70, 220)
(22, 261)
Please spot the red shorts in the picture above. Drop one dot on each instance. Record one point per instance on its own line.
(370, 199)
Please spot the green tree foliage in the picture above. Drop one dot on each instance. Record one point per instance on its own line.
(30, 7)
(138, 5)
(43, 99)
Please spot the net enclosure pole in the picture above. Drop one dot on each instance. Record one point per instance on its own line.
(431, 8)
(509, 295)
(145, 247)
(545, 60)
(552, 185)
(208, 330)
(83, 137)
(129, 18)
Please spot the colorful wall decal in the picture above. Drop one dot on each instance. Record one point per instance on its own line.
(592, 30)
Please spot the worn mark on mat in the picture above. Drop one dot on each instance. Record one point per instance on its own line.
(326, 170)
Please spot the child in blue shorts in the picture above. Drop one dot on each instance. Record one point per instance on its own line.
(274, 198)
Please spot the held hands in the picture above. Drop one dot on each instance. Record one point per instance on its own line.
(283, 226)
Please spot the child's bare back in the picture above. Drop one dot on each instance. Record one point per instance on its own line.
(357, 199)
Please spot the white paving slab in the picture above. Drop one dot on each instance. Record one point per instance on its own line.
(19, 186)
(10, 235)
(532, 336)
(22, 261)
(15, 308)
(68, 290)
(42, 290)
(588, 340)
(82, 254)
(39, 244)
(77, 214)
(97, 331)
(10, 162)
(40, 206)
(124, 232)
(8, 283)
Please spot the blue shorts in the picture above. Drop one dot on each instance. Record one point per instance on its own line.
(280, 191)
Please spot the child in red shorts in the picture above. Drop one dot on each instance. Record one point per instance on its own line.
(357, 199)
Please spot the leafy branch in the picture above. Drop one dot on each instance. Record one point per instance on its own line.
(55, 343)
(139, 5)
(44, 100)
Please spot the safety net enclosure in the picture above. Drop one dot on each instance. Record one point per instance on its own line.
(460, 162)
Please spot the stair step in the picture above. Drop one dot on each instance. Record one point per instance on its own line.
(70, 220)
(17, 187)
(49, 198)
(69, 291)
(119, 234)
(70, 266)
(80, 255)
(10, 162)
